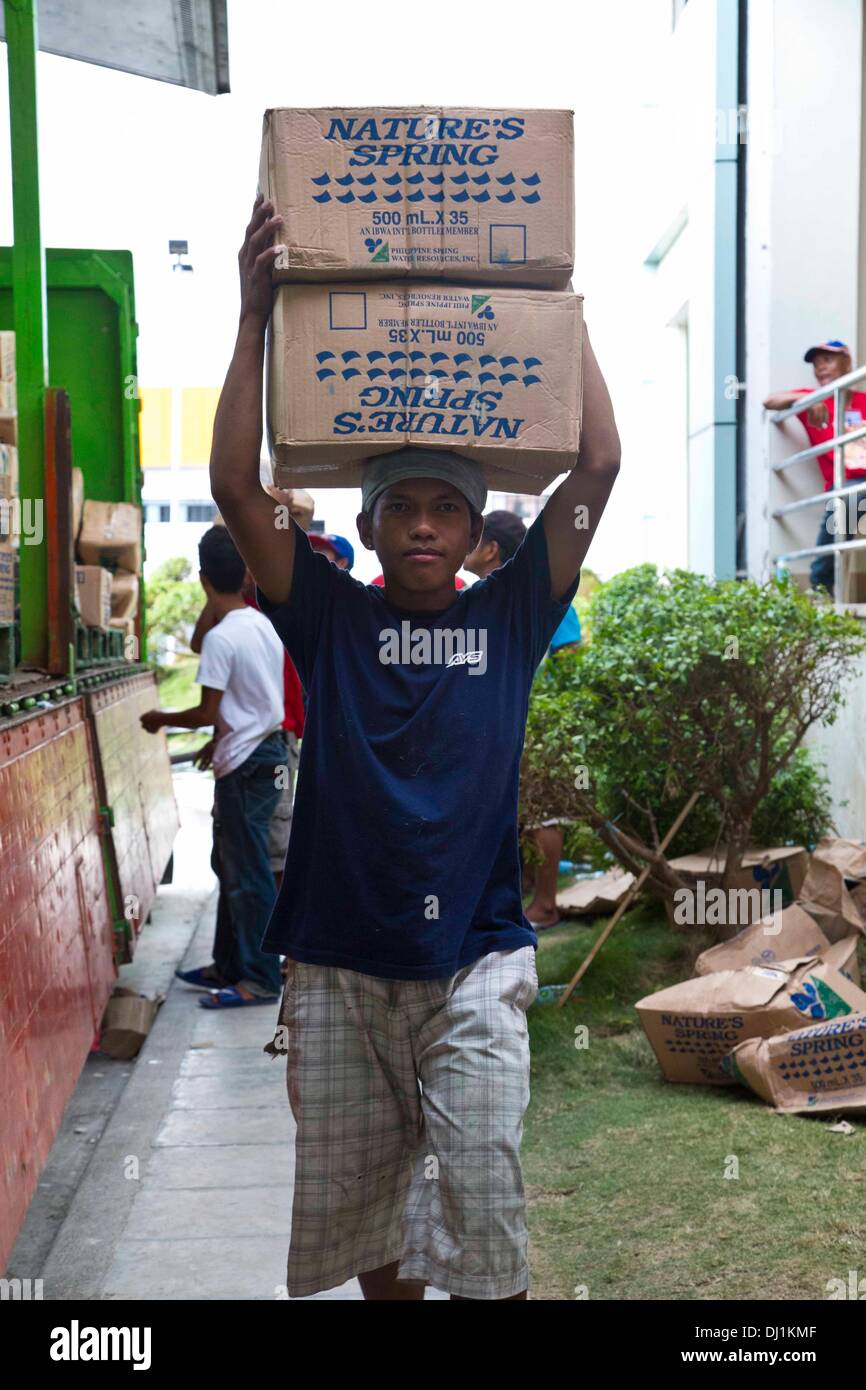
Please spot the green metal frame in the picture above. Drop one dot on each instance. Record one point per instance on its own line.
(31, 273)
(30, 310)
(112, 471)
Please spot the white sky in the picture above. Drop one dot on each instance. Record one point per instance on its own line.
(128, 163)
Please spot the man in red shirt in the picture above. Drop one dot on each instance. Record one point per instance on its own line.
(830, 361)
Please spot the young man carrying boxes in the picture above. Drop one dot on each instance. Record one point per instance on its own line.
(400, 912)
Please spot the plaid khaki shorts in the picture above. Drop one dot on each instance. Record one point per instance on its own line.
(409, 1098)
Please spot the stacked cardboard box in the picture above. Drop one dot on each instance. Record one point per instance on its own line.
(423, 292)
(109, 545)
(93, 595)
(8, 477)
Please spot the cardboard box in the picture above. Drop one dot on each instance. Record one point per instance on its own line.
(788, 935)
(8, 558)
(493, 375)
(8, 427)
(8, 472)
(808, 1071)
(7, 355)
(780, 869)
(844, 956)
(124, 595)
(111, 535)
(455, 193)
(825, 894)
(127, 1020)
(694, 1025)
(93, 595)
(77, 502)
(595, 895)
(848, 856)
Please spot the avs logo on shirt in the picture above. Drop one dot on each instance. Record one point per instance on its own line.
(444, 646)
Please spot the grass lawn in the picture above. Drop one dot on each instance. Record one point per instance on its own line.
(625, 1172)
(178, 690)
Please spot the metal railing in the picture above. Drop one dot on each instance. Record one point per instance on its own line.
(838, 490)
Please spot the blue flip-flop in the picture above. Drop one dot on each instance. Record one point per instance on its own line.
(230, 999)
(198, 978)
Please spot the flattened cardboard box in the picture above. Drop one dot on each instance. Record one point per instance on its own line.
(811, 1070)
(595, 895)
(694, 1025)
(493, 375)
(455, 193)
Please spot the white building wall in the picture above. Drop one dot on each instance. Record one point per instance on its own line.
(803, 262)
(804, 164)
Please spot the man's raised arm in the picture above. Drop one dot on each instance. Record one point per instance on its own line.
(572, 515)
(248, 512)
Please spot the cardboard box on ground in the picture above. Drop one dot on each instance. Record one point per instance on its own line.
(779, 869)
(787, 935)
(694, 1025)
(464, 194)
(127, 1020)
(809, 1071)
(493, 375)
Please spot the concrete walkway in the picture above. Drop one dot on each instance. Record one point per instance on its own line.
(187, 1193)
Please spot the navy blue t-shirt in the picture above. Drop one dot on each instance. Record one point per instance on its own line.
(403, 857)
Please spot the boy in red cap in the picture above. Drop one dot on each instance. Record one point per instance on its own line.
(412, 963)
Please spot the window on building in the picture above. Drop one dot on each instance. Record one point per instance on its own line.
(157, 511)
(200, 511)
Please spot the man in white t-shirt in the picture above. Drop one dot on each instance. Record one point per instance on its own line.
(241, 679)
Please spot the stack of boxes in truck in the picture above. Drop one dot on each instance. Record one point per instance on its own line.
(108, 548)
(423, 292)
(106, 536)
(8, 478)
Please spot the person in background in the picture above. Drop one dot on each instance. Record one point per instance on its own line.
(503, 533)
(301, 508)
(829, 361)
(336, 548)
(241, 679)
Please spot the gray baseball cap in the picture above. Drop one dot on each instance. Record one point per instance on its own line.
(385, 469)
